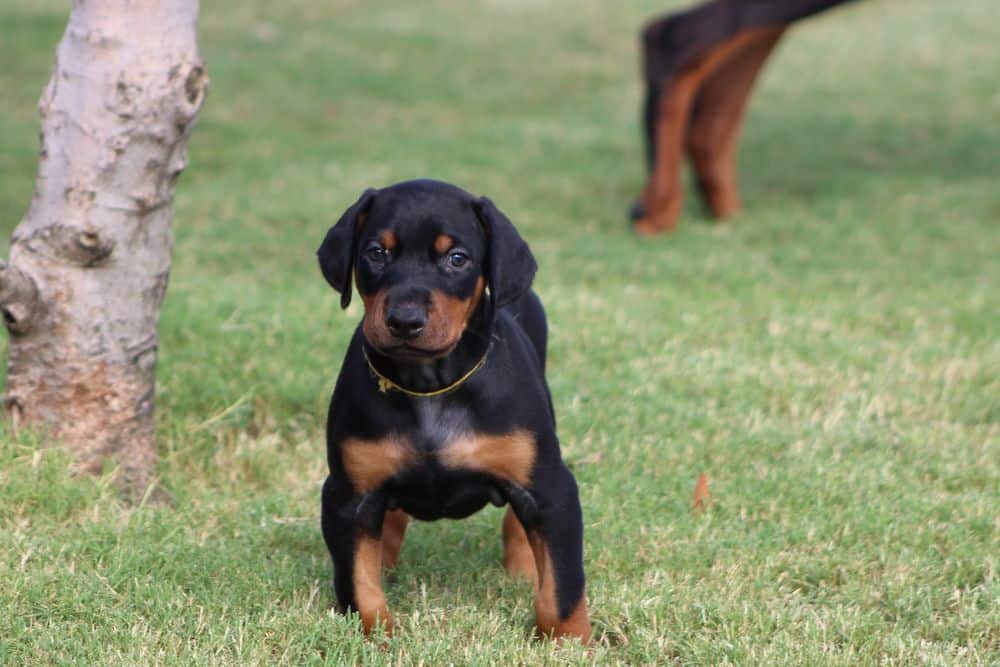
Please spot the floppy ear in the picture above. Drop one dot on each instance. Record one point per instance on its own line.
(340, 247)
(510, 266)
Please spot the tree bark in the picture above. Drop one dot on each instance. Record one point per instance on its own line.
(89, 262)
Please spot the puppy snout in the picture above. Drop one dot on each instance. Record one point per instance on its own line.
(406, 320)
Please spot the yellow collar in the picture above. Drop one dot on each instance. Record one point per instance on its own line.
(385, 384)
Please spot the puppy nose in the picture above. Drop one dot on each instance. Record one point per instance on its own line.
(406, 320)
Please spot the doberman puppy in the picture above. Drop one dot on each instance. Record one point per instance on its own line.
(441, 405)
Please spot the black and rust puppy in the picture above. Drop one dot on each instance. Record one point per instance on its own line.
(441, 405)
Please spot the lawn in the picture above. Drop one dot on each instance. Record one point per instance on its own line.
(830, 359)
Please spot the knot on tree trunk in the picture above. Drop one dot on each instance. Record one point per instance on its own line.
(190, 80)
(19, 301)
(84, 246)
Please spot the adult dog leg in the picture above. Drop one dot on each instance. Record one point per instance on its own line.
(662, 196)
(714, 125)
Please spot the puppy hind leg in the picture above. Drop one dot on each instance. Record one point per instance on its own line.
(518, 559)
(393, 532)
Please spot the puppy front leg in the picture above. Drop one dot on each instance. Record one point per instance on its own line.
(352, 528)
(556, 538)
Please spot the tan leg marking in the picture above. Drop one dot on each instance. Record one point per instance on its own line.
(510, 456)
(368, 594)
(393, 531)
(517, 557)
(547, 621)
(370, 462)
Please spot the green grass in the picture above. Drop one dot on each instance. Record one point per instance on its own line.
(830, 359)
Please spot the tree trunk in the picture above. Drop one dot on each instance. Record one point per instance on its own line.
(89, 262)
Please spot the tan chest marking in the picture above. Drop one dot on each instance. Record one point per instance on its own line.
(510, 456)
(370, 462)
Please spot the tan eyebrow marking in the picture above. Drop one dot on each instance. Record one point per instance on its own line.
(387, 238)
(443, 243)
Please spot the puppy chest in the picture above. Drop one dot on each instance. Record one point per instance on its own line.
(435, 449)
(438, 425)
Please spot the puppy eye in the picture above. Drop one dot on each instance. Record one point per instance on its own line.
(458, 259)
(376, 253)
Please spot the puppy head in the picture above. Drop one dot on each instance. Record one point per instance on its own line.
(423, 254)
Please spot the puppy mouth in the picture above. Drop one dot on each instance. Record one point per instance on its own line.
(411, 352)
